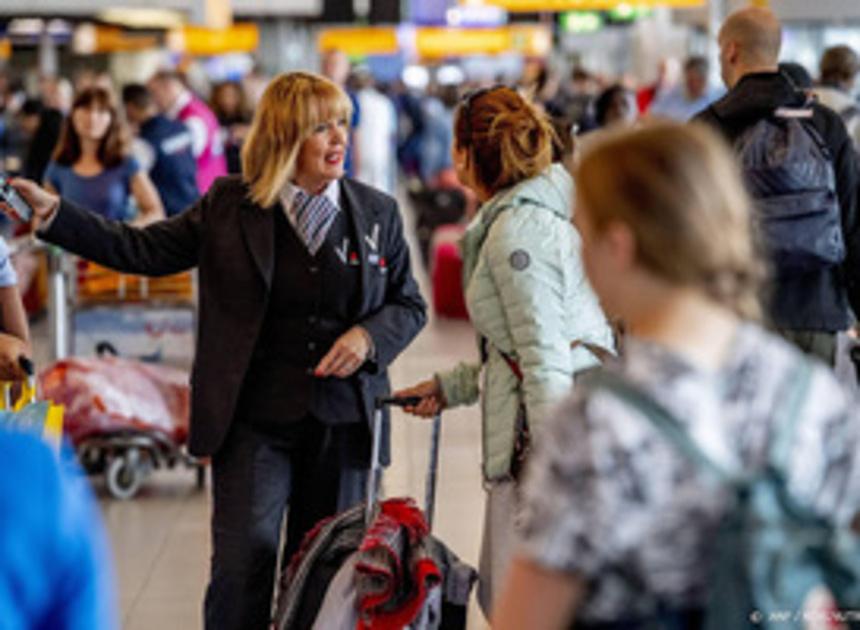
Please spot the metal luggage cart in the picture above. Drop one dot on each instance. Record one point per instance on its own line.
(98, 312)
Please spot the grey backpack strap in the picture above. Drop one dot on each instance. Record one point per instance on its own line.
(788, 414)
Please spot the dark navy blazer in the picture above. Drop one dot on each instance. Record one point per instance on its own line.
(230, 239)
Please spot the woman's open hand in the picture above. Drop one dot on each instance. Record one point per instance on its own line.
(432, 399)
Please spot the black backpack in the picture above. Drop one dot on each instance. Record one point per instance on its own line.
(789, 172)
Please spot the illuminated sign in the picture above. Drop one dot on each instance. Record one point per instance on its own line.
(439, 42)
(580, 21)
(538, 6)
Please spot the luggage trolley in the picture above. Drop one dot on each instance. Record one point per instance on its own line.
(142, 331)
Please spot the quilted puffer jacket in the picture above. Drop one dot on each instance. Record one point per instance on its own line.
(527, 294)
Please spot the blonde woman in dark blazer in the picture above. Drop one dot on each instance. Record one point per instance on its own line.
(306, 297)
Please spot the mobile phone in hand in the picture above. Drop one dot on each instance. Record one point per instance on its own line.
(8, 195)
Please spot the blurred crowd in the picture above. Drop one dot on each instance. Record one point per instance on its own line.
(401, 127)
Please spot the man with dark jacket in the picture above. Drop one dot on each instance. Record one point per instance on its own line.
(809, 307)
(163, 150)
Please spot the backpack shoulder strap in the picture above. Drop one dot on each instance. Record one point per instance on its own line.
(658, 415)
(788, 414)
(805, 116)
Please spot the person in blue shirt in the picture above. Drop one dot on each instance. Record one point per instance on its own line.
(92, 167)
(163, 149)
(55, 567)
(694, 94)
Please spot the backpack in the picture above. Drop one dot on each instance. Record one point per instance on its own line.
(789, 172)
(770, 552)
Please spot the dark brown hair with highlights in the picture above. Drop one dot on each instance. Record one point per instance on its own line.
(507, 138)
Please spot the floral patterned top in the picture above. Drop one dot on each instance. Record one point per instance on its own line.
(610, 499)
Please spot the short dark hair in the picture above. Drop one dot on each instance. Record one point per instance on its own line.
(136, 94)
(604, 102)
(31, 107)
(839, 63)
(697, 64)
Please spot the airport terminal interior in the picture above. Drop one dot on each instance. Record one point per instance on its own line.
(564, 265)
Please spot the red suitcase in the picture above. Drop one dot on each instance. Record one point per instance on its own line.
(446, 272)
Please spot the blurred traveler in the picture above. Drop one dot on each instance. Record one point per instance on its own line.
(684, 101)
(55, 564)
(377, 135)
(336, 67)
(666, 79)
(306, 297)
(163, 149)
(92, 165)
(229, 104)
(42, 126)
(814, 263)
(575, 99)
(176, 101)
(527, 295)
(437, 114)
(615, 107)
(839, 68)
(57, 93)
(620, 523)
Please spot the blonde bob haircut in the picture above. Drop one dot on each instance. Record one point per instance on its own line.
(679, 191)
(293, 105)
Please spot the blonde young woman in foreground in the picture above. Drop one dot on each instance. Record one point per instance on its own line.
(616, 518)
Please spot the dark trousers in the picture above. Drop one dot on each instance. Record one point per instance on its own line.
(255, 479)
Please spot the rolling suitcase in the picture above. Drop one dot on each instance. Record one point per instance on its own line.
(446, 273)
(343, 561)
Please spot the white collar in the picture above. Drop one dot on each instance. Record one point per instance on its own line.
(332, 191)
(179, 104)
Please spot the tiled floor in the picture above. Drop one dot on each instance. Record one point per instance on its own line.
(161, 538)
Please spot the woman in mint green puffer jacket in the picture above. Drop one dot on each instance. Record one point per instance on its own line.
(526, 293)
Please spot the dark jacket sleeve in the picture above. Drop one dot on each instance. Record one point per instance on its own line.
(847, 181)
(159, 249)
(404, 314)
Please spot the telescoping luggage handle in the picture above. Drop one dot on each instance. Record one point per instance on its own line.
(375, 476)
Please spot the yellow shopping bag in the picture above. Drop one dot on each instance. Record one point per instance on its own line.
(24, 412)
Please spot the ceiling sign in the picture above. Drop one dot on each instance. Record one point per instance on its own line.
(573, 5)
(428, 42)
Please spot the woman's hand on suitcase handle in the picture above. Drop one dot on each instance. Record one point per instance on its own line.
(346, 356)
(432, 399)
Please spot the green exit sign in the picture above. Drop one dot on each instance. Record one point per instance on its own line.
(629, 12)
(581, 21)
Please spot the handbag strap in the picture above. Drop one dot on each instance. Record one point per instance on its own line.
(600, 353)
